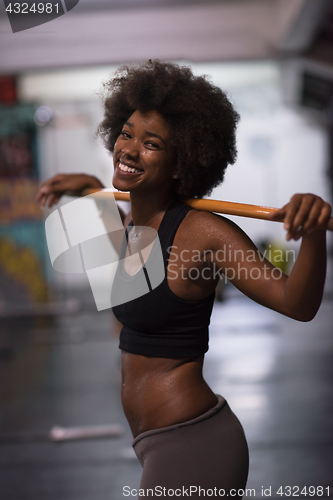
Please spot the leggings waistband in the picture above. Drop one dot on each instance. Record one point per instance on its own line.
(212, 411)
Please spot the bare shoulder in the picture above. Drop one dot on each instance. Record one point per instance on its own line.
(202, 218)
(212, 227)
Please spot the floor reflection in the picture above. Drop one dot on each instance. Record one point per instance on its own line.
(275, 373)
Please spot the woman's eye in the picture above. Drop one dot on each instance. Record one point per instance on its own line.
(124, 133)
(152, 144)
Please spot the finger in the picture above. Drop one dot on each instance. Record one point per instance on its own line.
(43, 200)
(55, 187)
(278, 215)
(312, 218)
(291, 210)
(51, 199)
(300, 212)
(317, 217)
(56, 199)
(41, 192)
(325, 215)
(43, 196)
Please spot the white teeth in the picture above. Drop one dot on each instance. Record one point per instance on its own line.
(125, 168)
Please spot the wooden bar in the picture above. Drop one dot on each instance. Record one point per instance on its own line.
(217, 206)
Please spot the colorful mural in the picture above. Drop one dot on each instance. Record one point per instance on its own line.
(23, 256)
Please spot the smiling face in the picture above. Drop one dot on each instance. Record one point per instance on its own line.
(143, 157)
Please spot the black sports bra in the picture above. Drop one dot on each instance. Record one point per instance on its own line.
(159, 323)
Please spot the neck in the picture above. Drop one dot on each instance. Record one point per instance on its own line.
(144, 208)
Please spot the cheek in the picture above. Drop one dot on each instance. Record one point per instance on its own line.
(116, 146)
(116, 149)
(149, 159)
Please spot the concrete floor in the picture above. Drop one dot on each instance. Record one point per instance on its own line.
(276, 374)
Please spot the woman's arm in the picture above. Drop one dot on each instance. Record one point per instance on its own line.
(298, 295)
(305, 284)
(306, 216)
(54, 188)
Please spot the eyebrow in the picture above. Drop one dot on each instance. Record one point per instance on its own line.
(151, 134)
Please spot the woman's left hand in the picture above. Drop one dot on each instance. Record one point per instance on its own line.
(303, 214)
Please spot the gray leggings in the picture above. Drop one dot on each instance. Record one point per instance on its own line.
(186, 460)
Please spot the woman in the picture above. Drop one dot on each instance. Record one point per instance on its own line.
(172, 136)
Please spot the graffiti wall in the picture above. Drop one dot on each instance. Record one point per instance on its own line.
(22, 235)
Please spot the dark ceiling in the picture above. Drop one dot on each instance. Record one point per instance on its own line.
(98, 5)
(114, 31)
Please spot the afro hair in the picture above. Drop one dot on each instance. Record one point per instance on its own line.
(200, 118)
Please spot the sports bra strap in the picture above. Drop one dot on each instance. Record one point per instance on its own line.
(170, 223)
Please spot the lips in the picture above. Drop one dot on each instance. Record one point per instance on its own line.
(127, 169)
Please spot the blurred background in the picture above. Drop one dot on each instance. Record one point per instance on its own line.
(59, 357)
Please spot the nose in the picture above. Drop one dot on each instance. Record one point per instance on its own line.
(130, 149)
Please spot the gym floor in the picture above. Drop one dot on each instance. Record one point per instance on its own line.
(276, 374)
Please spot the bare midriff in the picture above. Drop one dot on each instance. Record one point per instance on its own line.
(158, 392)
